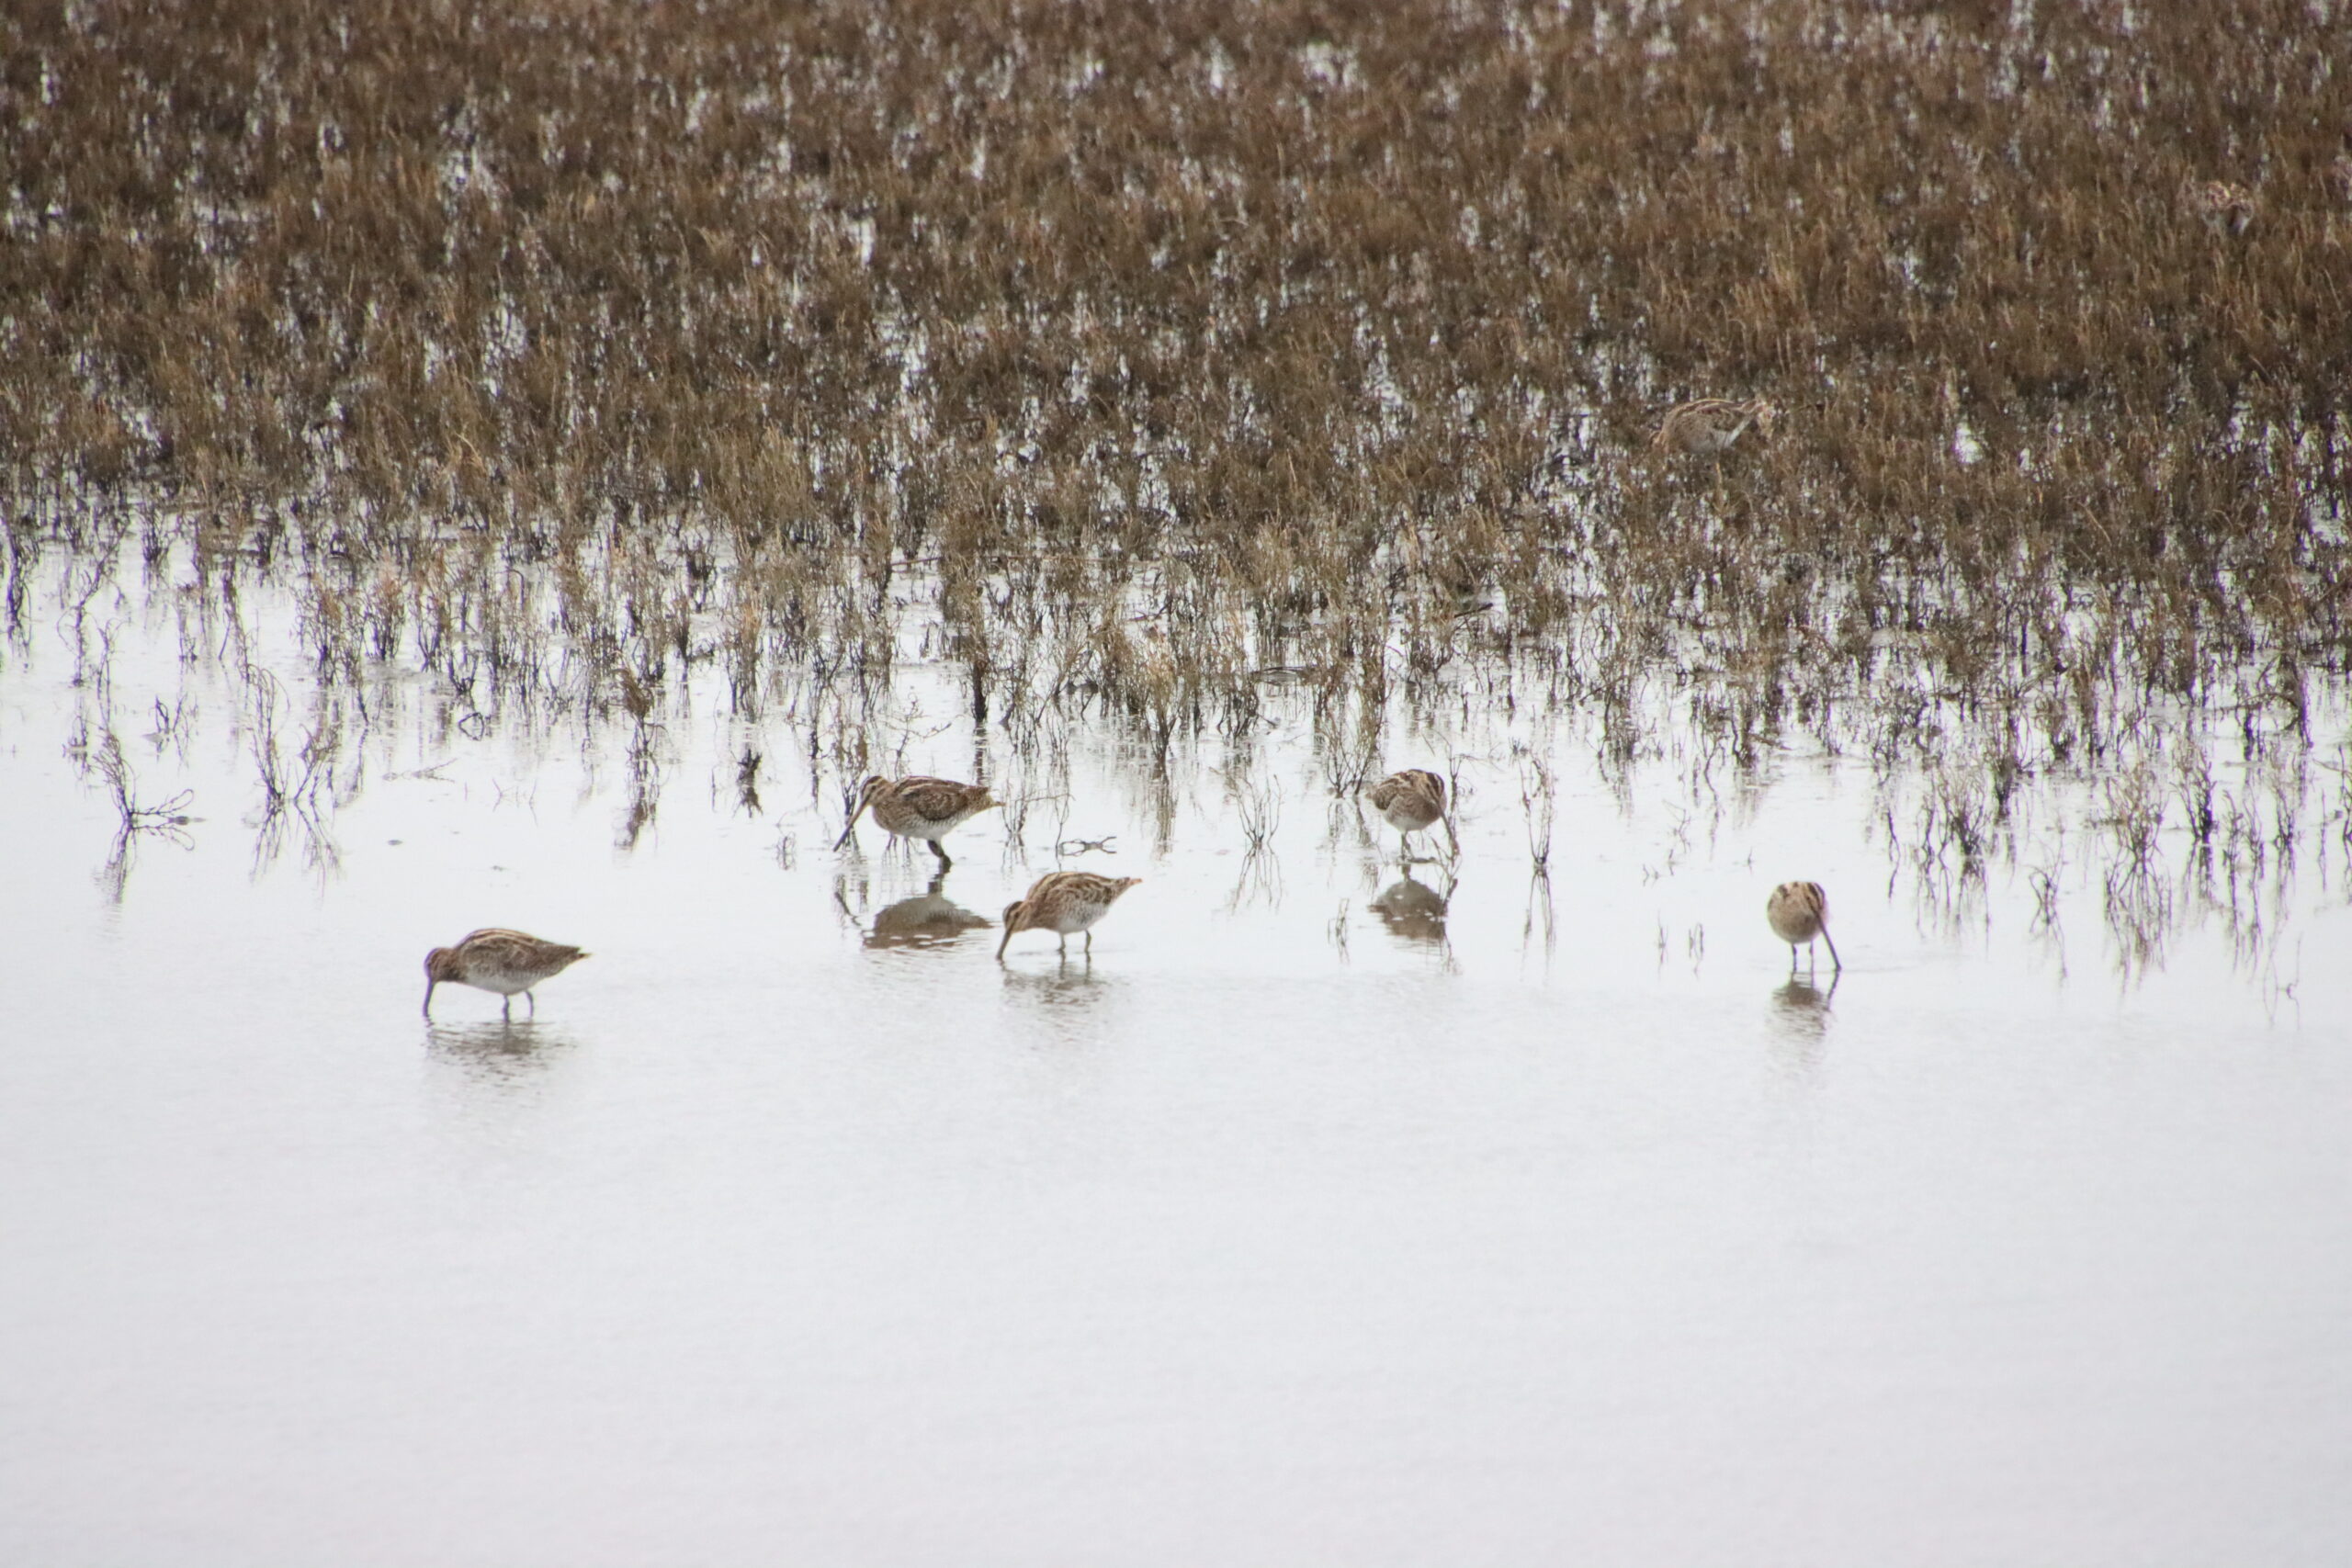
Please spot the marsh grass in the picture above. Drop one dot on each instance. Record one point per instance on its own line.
(1144, 367)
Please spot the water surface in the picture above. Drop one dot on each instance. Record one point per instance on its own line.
(1331, 1213)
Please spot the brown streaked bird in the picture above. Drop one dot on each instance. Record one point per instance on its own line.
(919, 808)
(1064, 902)
(1799, 912)
(495, 959)
(2224, 207)
(1411, 801)
(1708, 425)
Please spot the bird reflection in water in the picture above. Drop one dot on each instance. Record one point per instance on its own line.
(1066, 992)
(1412, 909)
(509, 1055)
(1801, 1002)
(930, 919)
(1801, 1020)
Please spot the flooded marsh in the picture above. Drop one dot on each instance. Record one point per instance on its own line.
(531, 467)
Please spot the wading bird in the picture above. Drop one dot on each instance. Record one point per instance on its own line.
(1799, 912)
(1409, 802)
(494, 959)
(923, 809)
(1709, 426)
(1064, 902)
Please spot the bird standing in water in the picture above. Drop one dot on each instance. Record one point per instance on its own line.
(495, 959)
(1064, 902)
(1410, 802)
(1799, 912)
(923, 809)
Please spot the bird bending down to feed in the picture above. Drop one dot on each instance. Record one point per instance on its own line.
(1411, 801)
(1064, 902)
(1711, 425)
(923, 809)
(1800, 912)
(493, 959)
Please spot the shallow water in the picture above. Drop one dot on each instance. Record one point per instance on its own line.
(1322, 1217)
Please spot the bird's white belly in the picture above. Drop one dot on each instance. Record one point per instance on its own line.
(501, 981)
(919, 828)
(1079, 917)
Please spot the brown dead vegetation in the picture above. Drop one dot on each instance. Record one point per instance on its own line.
(1143, 351)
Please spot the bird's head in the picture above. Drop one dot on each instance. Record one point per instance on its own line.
(1016, 919)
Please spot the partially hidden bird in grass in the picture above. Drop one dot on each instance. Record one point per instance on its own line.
(1064, 902)
(1708, 425)
(1799, 912)
(495, 959)
(1410, 802)
(2224, 207)
(919, 808)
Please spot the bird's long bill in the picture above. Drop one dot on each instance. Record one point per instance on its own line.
(852, 827)
(1006, 942)
(428, 997)
(1836, 963)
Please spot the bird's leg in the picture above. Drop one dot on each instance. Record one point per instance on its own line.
(532, 997)
(506, 1006)
(1065, 941)
(940, 849)
(1090, 944)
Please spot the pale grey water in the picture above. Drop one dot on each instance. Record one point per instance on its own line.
(1275, 1235)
